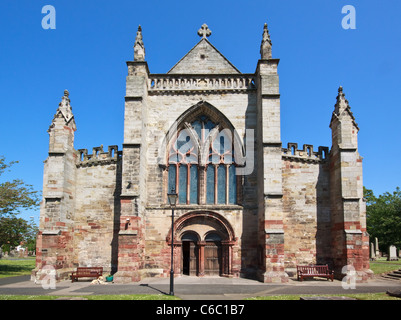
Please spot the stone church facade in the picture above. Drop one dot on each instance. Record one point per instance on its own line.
(247, 205)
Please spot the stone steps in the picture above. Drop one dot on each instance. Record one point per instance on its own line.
(394, 275)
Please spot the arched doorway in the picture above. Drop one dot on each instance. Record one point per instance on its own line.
(204, 243)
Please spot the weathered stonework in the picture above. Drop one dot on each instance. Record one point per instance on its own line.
(292, 206)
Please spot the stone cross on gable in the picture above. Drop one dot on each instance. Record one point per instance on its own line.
(204, 31)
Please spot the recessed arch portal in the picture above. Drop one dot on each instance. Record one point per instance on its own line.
(205, 240)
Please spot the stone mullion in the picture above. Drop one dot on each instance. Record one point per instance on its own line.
(215, 183)
(202, 184)
(201, 258)
(227, 186)
(188, 182)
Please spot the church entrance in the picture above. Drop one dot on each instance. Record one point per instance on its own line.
(204, 243)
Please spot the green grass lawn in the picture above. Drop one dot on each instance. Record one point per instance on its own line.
(383, 266)
(16, 267)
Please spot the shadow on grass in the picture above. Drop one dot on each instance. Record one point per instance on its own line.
(16, 267)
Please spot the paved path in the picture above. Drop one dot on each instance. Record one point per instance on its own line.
(194, 288)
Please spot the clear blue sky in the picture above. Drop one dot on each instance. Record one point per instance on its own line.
(87, 51)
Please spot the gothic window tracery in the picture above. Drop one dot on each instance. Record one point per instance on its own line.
(201, 164)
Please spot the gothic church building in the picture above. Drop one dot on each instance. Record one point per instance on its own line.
(248, 206)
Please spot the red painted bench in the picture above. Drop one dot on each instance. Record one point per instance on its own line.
(87, 272)
(314, 271)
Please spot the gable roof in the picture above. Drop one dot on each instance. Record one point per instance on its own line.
(204, 58)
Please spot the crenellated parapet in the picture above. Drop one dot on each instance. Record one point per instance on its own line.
(98, 156)
(306, 154)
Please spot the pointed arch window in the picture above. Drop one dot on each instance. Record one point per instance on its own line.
(201, 164)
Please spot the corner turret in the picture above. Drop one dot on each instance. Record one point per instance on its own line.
(57, 208)
(350, 240)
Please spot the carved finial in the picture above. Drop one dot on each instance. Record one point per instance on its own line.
(65, 99)
(139, 48)
(138, 38)
(64, 107)
(341, 103)
(204, 31)
(266, 45)
(266, 35)
(341, 94)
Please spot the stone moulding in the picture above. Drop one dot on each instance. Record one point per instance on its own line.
(352, 231)
(128, 232)
(274, 231)
(273, 195)
(51, 232)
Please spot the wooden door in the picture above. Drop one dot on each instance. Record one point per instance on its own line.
(213, 258)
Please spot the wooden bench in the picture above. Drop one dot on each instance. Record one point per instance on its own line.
(314, 271)
(87, 272)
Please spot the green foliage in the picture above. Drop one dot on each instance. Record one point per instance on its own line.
(383, 216)
(15, 195)
(14, 230)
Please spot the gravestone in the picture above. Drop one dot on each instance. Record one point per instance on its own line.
(392, 254)
(377, 247)
(372, 251)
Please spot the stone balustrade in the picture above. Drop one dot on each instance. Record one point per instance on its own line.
(170, 82)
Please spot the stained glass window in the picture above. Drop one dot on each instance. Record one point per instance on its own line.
(210, 184)
(221, 184)
(218, 172)
(193, 197)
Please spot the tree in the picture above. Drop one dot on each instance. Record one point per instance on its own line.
(15, 195)
(14, 230)
(30, 236)
(383, 217)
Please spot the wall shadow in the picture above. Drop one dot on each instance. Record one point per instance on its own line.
(323, 216)
(117, 214)
(250, 199)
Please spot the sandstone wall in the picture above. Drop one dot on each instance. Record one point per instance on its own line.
(306, 204)
(97, 212)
